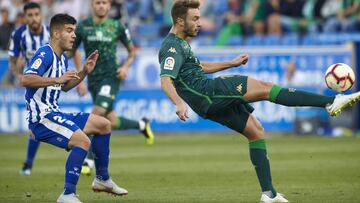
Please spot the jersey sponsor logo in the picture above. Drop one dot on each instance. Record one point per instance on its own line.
(42, 54)
(104, 104)
(292, 89)
(169, 63)
(239, 88)
(105, 91)
(36, 64)
(172, 50)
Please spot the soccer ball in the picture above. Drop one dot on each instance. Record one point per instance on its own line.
(339, 77)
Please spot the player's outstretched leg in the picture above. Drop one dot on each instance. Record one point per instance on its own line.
(145, 129)
(258, 90)
(32, 148)
(142, 125)
(102, 181)
(259, 158)
(341, 102)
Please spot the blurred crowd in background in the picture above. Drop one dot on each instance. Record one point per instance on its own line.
(224, 22)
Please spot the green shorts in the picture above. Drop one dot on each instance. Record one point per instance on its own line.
(228, 106)
(104, 93)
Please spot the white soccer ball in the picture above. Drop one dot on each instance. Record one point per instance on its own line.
(339, 77)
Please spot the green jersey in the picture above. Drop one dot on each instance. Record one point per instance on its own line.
(103, 37)
(178, 62)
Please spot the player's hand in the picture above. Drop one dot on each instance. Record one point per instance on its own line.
(91, 62)
(240, 60)
(70, 75)
(81, 89)
(122, 72)
(181, 111)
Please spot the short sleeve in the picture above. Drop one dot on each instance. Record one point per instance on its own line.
(171, 60)
(40, 62)
(124, 35)
(14, 47)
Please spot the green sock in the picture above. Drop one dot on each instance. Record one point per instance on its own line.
(125, 124)
(292, 97)
(259, 159)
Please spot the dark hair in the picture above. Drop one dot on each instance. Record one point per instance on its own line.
(31, 5)
(180, 8)
(60, 20)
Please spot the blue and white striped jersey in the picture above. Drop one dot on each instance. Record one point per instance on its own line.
(22, 41)
(41, 101)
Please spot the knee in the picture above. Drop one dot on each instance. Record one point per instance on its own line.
(81, 141)
(266, 87)
(105, 126)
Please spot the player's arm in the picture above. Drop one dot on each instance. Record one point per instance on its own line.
(169, 89)
(14, 55)
(212, 67)
(36, 81)
(88, 68)
(124, 69)
(39, 64)
(171, 60)
(14, 67)
(125, 38)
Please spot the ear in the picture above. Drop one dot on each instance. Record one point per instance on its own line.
(57, 34)
(180, 21)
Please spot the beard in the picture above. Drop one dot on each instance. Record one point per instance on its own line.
(189, 32)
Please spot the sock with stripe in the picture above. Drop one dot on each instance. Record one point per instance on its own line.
(125, 124)
(258, 156)
(293, 97)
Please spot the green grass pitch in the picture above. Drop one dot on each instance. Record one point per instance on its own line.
(193, 168)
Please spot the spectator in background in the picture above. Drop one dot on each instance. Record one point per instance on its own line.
(14, 7)
(347, 19)
(244, 17)
(6, 28)
(19, 20)
(272, 13)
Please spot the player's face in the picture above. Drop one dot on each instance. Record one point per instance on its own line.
(192, 23)
(33, 18)
(101, 8)
(67, 37)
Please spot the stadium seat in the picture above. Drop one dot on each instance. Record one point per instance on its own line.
(309, 40)
(290, 40)
(329, 38)
(235, 40)
(254, 40)
(148, 30)
(272, 40)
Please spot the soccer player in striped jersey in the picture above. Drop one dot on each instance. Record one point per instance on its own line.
(23, 43)
(45, 77)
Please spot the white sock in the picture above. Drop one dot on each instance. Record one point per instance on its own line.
(142, 125)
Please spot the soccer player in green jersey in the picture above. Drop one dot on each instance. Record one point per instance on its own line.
(102, 33)
(225, 99)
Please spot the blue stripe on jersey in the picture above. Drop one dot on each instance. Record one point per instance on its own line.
(44, 96)
(37, 111)
(41, 101)
(52, 98)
